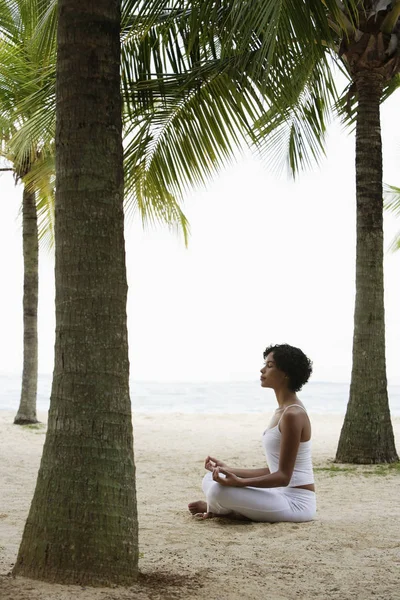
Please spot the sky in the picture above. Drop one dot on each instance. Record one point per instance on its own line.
(269, 261)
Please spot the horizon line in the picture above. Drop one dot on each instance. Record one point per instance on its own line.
(395, 381)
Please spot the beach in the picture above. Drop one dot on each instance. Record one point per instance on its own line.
(350, 551)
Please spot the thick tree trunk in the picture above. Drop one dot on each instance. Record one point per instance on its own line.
(27, 407)
(82, 524)
(367, 433)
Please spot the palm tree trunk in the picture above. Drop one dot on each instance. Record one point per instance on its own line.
(367, 433)
(82, 524)
(27, 407)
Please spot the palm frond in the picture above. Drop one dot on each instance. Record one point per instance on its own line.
(196, 75)
(38, 128)
(392, 86)
(41, 180)
(346, 106)
(294, 136)
(9, 17)
(392, 204)
(45, 34)
(182, 141)
(26, 127)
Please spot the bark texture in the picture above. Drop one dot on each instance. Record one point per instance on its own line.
(367, 432)
(27, 408)
(82, 524)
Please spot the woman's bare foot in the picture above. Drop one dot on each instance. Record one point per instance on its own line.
(197, 507)
(199, 510)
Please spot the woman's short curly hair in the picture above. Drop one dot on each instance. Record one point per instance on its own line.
(293, 362)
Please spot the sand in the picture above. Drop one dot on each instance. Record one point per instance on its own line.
(351, 550)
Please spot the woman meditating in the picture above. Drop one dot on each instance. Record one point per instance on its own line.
(285, 490)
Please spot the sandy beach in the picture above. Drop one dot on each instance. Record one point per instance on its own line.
(351, 550)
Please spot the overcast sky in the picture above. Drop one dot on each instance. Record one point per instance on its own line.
(269, 260)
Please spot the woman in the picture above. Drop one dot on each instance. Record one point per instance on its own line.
(284, 491)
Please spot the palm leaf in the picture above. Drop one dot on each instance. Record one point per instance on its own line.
(180, 143)
(295, 137)
(195, 78)
(392, 204)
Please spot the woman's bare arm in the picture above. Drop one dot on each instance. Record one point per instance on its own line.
(246, 473)
(291, 428)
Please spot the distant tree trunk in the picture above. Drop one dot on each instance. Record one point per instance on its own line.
(27, 407)
(82, 524)
(367, 433)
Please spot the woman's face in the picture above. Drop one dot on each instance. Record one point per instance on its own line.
(271, 376)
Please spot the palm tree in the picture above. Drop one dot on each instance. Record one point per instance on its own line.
(23, 70)
(82, 524)
(366, 46)
(27, 130)
(370, 51)
(284, 51)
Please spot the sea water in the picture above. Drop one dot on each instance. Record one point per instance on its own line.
(205, 397)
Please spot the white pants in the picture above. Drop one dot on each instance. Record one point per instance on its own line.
(271, 505)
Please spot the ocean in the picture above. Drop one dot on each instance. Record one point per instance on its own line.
(205, 398)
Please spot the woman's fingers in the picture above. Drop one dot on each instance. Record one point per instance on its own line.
(210, 462)
(218, 474)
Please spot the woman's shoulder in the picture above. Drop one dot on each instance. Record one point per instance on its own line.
(294, 415)
(295, 409)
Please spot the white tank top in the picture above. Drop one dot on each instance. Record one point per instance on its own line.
(303, 470)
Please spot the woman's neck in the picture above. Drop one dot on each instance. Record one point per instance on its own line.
(285, 397)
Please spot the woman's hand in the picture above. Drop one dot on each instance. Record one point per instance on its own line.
(229, 478)
(211, 463)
